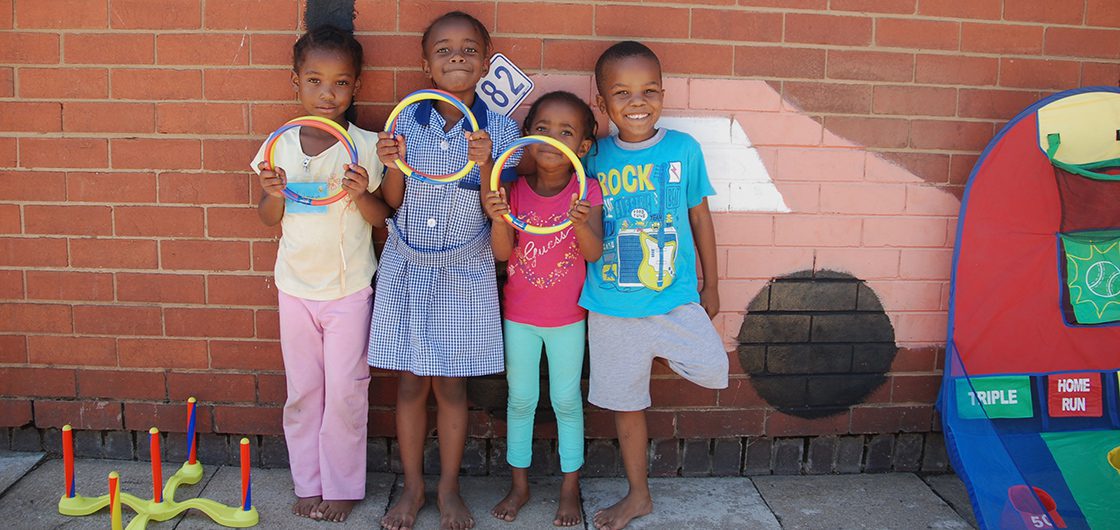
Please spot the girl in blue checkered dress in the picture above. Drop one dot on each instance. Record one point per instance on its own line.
(435, 316)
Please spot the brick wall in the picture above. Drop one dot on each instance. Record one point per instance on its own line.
(134, 271)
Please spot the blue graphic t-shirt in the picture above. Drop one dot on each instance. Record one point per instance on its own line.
(648, 265)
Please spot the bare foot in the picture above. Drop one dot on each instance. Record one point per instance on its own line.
(453, 512)
(402, 515)
(507, 508)
(569, 512)
(618, 516)
(304, 505)
(334, 511)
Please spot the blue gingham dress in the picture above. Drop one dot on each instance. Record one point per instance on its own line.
(436, 306)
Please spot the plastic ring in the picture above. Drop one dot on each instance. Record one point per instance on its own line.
(323, 124)
(438, 95)
(581, 178)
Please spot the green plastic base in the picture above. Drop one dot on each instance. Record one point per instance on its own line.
(147, 510)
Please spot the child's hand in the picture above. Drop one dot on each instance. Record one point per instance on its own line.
(495, 204)
(355, 180)
(480, 147)
(390, 148)
(273, 181)
(578, 210)
(709, 300)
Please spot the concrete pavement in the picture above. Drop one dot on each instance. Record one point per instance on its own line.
(30, 486)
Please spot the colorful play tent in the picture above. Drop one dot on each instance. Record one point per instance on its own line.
(1031, 396)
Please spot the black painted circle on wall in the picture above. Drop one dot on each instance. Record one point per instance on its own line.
(816, 343)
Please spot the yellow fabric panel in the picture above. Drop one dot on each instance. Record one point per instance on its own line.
(1087, 124)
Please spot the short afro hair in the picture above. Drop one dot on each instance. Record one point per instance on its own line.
(622, 50)
(457, 16)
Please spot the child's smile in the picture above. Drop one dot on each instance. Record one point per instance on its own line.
(631, 96)
(455, 57)
(326, 84)
(561, 122)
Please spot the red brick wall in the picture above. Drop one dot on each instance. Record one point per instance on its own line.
(134, 271)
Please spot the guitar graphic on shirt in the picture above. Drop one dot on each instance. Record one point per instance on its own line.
(656, 269)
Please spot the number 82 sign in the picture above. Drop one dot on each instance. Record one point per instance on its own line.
(505, 86)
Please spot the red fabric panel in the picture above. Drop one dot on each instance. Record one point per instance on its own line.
(1007, 315)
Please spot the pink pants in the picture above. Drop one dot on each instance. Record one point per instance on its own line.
(324, 346)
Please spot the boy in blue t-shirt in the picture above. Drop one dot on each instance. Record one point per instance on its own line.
(642, 293)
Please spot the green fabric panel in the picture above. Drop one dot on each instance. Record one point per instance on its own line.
(1083, 459)
(1093, 275)
(1006, 396)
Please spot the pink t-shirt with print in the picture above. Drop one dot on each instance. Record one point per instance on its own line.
(546, 273)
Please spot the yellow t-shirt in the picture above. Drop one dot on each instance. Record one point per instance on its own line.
(326, 252)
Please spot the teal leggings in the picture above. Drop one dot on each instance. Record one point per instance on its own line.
(564, 347)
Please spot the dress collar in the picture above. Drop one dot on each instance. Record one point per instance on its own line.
(424, 108)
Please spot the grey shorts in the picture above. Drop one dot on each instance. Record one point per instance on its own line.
(622, 352)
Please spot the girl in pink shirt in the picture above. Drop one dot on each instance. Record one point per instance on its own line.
(546, 274)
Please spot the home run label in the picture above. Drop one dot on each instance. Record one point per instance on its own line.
(505, 86)
(1072, 395)
(995, 397)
